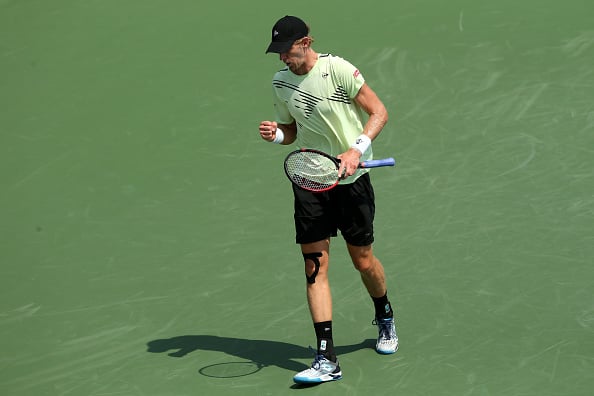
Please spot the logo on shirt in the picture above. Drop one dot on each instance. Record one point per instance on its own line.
(356, 73)
(324, 75)
(275, 33)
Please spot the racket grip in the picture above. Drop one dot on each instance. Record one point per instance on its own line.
(377, 163)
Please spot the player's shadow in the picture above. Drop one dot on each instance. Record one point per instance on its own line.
(261, 352)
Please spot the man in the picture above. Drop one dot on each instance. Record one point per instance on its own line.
(322, 101)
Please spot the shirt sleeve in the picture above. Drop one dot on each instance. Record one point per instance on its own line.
(349, 76)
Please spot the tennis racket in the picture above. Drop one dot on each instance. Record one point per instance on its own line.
(317, 171)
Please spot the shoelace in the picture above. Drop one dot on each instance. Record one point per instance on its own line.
(385, 328)
(317, 359)
(317, 362)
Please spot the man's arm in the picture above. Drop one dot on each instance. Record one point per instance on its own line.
(378, 117)
(373, 106)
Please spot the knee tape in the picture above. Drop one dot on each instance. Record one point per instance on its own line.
(311, 279)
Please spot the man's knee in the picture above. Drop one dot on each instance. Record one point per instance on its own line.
(312, 266)
(362, 257)
(363, 266)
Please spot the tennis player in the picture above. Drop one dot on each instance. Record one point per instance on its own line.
(321, 101)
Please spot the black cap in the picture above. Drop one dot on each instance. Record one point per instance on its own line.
(285, 32)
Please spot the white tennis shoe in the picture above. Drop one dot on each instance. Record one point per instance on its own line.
(321, 370)
(387, 340)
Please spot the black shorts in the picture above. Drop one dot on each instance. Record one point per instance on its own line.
(349, 208)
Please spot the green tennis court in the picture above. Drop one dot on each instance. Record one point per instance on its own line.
(146, 238)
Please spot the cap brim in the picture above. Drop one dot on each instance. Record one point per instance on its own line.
(280, 47)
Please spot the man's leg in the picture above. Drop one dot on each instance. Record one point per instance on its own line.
(370, 268)
(325, 366)
(319, 297)
(374, 278)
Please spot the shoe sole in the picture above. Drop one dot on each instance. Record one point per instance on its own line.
(325, 378)
(386, 352)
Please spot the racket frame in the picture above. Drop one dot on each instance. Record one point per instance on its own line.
(363, 165)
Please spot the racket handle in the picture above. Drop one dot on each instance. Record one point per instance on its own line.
(377, 163)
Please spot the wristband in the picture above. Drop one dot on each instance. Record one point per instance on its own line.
(362, 143)
(279, 137)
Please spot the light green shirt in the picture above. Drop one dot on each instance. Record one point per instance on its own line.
(322, 104)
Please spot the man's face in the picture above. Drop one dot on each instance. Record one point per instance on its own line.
(295, 57)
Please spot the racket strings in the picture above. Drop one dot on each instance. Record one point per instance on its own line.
(311, 171)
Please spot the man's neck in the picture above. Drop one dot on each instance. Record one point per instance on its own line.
(311, 57)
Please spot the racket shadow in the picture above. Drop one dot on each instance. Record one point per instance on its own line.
(263, 353)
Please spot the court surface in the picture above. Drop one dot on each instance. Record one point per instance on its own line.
(146, 239)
